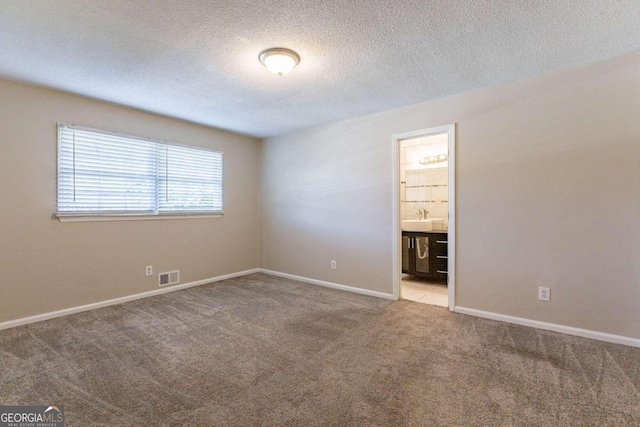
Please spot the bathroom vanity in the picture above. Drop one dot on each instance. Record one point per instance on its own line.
(425, 254)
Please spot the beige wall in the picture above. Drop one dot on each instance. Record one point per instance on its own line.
(567, 143)
(46, 265)
(548, 193)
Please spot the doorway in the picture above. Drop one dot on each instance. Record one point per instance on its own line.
(424, 216)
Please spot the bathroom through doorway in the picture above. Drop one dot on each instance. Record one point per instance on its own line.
(423, 205)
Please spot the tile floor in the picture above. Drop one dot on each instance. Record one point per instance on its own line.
(415, 289)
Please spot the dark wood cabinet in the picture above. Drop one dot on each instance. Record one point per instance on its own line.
(425, 254)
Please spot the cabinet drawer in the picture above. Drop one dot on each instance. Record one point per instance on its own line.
(440, 238)
(439, 264)
(442, 277)
(439, 249)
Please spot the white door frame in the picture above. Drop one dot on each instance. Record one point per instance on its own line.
(450, 130)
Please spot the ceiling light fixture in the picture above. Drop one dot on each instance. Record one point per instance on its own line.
(438, 158)
(279, 61)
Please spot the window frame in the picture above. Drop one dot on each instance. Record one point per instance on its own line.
(64, 216)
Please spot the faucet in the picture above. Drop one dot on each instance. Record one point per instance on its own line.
(422, 214)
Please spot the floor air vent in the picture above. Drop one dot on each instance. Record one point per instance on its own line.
(169, 278)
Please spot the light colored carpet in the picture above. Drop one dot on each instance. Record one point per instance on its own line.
(260, 350)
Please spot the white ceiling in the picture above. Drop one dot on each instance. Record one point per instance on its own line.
(198, 59)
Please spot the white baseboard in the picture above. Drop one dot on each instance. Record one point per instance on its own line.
(585, 333)
(570, 330)
(329, 284)
(93, 306)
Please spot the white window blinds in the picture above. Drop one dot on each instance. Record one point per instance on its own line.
(101, 173)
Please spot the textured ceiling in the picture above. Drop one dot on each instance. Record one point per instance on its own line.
(198, 59)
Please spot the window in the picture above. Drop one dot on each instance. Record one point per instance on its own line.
(104, 174)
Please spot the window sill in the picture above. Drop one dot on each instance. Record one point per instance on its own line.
(95, 218)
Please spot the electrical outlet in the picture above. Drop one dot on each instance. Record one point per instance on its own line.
(148, 270)
(334, 265)
(544, 294)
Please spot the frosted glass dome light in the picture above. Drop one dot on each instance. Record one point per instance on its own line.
(279, 61)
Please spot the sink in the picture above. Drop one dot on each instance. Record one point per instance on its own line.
(420, 224)
(417, 225)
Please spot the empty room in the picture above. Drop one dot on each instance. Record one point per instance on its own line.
(331, 213)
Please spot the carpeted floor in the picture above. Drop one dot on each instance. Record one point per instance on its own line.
(260, 350)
